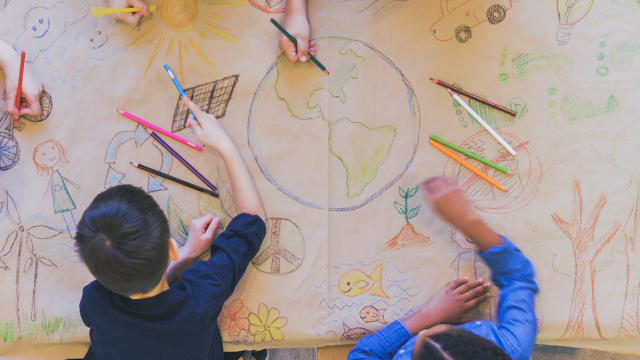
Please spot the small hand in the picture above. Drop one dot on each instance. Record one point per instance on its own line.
(207, 128)
(31, 88)
(298, 26)
(448, 200)
(201, 234)
(460, 296)
(130, 18)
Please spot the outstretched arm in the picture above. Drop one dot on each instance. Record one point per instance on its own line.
(211, 133)
(449, 201)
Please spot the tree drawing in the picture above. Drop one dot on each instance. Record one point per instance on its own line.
(583, 317)
(408, 236)
(630, 321)
(13, 244)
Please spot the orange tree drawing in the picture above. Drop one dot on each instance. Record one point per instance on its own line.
(630, 321)
(408, 236)
(583, 317)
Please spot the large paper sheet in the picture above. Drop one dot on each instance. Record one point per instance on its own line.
(336, 158)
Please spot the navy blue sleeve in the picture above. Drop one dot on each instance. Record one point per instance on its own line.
(213, 281)
(89, 293)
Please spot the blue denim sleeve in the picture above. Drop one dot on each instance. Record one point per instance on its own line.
(513, 273)
(382, 345)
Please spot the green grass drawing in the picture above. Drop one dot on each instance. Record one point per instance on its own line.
(51, 328)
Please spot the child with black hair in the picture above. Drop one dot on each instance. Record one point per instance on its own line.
(133, 310)
(430, 334)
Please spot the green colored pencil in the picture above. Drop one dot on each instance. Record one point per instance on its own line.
(471, 155)
(295, 42)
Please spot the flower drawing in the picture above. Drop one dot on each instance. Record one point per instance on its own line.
(234, 318)
(265, 326)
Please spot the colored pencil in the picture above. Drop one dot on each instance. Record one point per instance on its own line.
(175, 179)
(182, 160)
(104, 11)
(160, 130)
(295, 42)
(177, 84)
(471, 155)
(474, 97)
(483, 123)
(467, 165)
(19, 92)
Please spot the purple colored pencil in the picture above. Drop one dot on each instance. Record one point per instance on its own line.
(177, 156)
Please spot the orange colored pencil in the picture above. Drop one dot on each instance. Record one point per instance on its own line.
(467, 165)
(19, 92)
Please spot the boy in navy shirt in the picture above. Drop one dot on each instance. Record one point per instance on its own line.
(123, 237)
(430, 334)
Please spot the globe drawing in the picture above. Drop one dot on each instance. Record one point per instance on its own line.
(334, 141)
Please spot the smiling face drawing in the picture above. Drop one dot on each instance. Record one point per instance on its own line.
(93, 37)
(40, 27)
(458, 237)
(47, 154)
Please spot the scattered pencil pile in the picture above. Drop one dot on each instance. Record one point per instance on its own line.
(436, 141)
(147, 125)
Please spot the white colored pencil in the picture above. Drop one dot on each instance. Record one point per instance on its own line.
(483, 123)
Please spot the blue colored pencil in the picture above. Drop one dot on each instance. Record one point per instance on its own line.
(177, 84)
(177, 156)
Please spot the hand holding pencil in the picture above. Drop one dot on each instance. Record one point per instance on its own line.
(31, 88)
(208, 128)
(297, 24)
(130, 18)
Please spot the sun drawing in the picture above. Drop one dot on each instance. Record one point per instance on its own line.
(182, 23)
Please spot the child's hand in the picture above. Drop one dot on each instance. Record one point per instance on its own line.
(31, 88)
(298, 26)
(207, 128)
(448, 200)
(456, 299)
(130, 18)
(201, 234)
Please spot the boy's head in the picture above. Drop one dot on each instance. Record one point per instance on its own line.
(124, 239)
(447, 342)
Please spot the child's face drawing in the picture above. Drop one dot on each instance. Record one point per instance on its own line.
(93, 37)
(462, 240)
(47, 154)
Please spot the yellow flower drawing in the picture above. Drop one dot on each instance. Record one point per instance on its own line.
(266, 324)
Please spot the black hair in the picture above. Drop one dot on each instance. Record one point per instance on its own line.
(457, 344)
(123, 238)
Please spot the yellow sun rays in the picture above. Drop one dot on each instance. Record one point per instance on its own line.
(177, 20)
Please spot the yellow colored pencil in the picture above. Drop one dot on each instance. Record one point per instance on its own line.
(102, 11)
(467, 165)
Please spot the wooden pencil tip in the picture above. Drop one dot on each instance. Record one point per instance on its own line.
(505, 190)
(327, 71)
(434, 80)
(134, 164)
(120, 111)
(509, 173)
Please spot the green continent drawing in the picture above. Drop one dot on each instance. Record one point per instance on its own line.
(524, 64)
(361, 149)
(297, 90)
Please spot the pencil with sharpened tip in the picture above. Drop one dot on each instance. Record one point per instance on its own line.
(181, 159)
(295, 42)
(19, 91)
(467, 165)
(177, 84)
(483, 123)
(160, 130)
(471, 155)
(175, 179)
(104, 11)
(474, 97)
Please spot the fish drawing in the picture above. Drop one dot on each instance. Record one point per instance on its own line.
(356, 282)
(355, 333)
(371, 314)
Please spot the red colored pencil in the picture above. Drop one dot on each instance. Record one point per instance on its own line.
(19, 92)
(474, 97)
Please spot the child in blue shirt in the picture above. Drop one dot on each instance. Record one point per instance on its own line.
(131, 309)
(437, 331)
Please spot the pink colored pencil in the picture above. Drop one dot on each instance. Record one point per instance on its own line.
(160, 130)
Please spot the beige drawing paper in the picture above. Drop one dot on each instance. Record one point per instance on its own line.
(336, 158)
